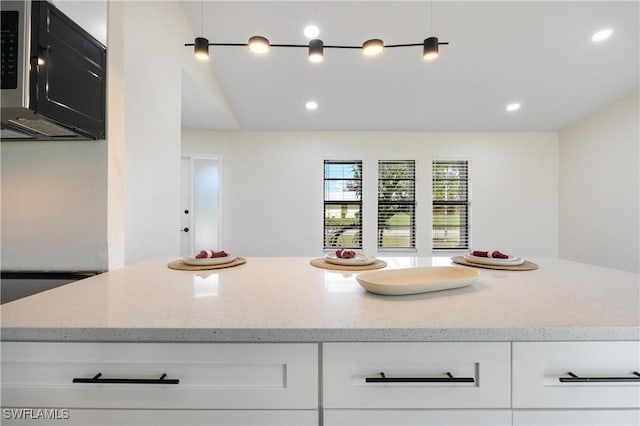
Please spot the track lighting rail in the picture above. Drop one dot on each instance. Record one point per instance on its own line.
(260, 45)
(326, 46)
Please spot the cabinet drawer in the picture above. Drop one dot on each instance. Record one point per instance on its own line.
(542, 375)
(100, 417)
(618, 417)
(417, 417)
(415, 375)
(229, 376)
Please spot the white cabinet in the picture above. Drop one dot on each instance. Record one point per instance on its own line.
(166, 376)
(576, 383)
(372, 384)
(416, 383)
(604, 375)
(416, 375)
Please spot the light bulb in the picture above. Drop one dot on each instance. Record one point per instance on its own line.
(430, 56)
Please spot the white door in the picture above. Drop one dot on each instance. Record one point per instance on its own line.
(200, 204)
(186, 245)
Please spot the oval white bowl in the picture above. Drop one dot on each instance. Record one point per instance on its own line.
(416, 280)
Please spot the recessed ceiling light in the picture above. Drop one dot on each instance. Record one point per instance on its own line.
(513, 106)
(602, 35)
(311, 105)
(311, 31)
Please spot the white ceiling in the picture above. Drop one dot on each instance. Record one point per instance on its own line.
(537, 53)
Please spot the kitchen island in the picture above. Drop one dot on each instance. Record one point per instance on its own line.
(279, 341)
(288, 300)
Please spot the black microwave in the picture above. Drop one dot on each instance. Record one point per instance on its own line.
(53, 75)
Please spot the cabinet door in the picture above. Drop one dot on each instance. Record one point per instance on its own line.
(576, 418)
(85, 417)
(417, 417)
(607, 375)
(198, 376)
(416, 375)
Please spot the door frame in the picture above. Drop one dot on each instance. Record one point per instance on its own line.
(191, 157)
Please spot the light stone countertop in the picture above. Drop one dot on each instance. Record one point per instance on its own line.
(285, 299)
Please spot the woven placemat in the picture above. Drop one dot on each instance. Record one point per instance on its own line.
(526, 266)
(181, 266)
(322, 263)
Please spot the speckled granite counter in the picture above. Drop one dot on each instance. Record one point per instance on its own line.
(288, 300)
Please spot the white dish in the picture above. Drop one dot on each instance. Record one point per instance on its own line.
(416, 280)
(191, 260)
(510, 261)
(358, 259)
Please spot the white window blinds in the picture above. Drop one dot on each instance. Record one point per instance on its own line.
(450, 228)
(396, 204)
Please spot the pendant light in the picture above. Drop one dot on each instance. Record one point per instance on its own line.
(201, 49)
(316, 48)
(372, 47)
(201, 44)
(259, 45)
(430, 48)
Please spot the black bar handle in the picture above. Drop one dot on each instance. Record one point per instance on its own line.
(98, 379)
(573, 378)
(449, 379)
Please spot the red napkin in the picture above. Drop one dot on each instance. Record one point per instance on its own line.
(206, 254)
(345, 254)
(494, 254)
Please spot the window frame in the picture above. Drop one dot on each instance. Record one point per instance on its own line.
(327, 202)
(465, 203)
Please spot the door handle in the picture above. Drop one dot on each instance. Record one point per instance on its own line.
(184, 230)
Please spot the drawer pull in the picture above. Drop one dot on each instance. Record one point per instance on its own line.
(449, 379)
(573, 378)
(99, 379)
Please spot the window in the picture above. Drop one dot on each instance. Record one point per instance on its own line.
(450, 205)
(343, 204)
(396, 204)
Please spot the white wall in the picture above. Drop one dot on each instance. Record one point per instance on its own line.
(146, 42)
(54, 206)
(600, 187)
(54, 202)
(273, 183)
